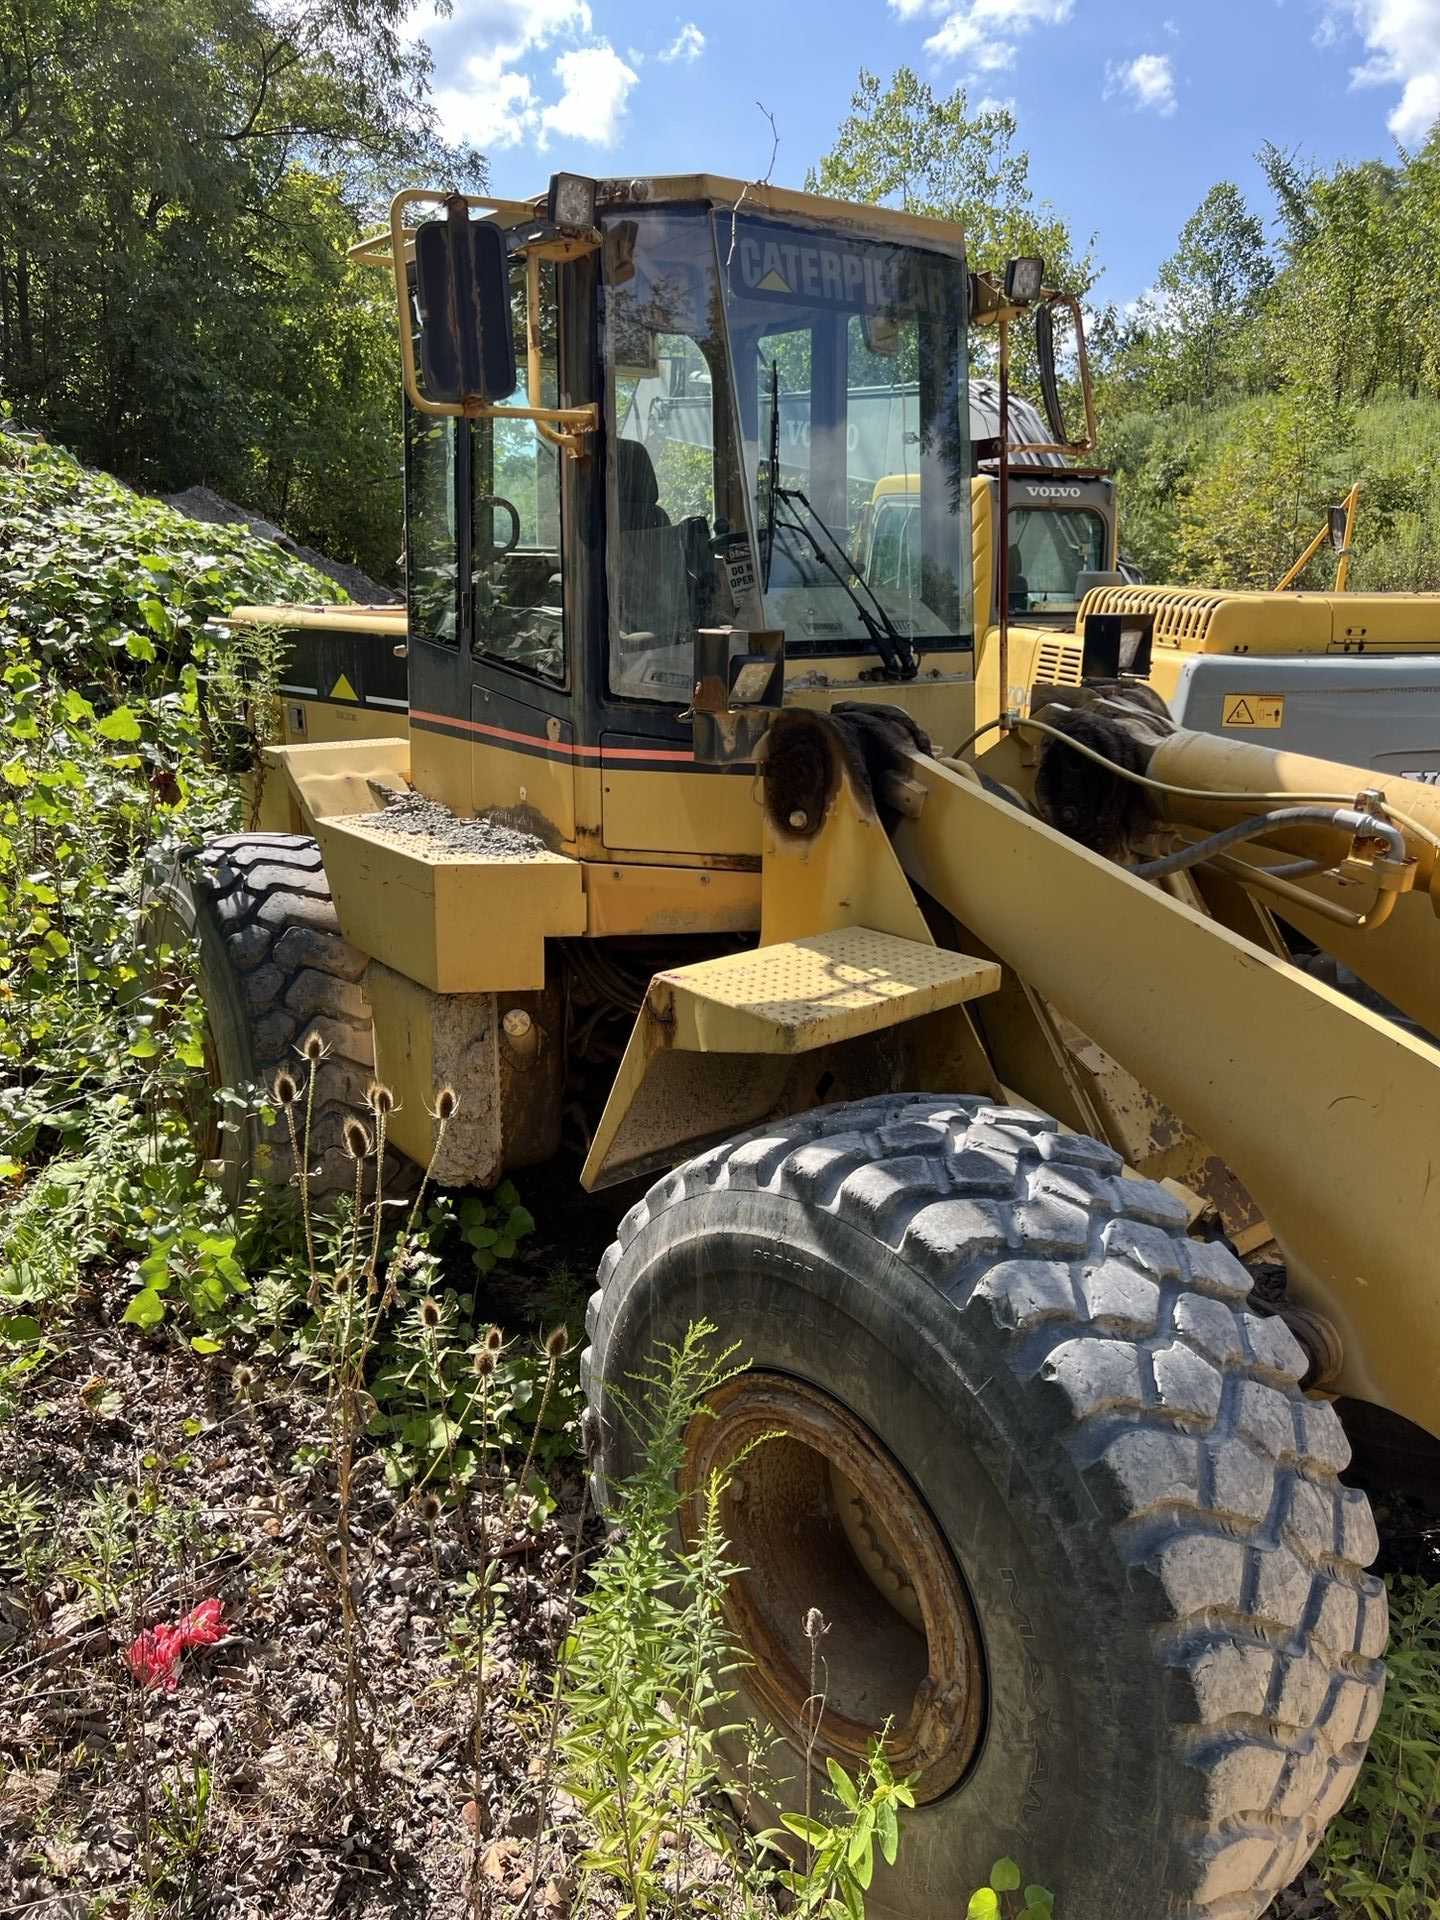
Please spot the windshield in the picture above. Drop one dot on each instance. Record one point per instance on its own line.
(849, 371)
(1049, 548)
(729, 339)
(678, 550)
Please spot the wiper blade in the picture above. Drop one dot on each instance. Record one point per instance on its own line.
(772, 489)
(892, 645)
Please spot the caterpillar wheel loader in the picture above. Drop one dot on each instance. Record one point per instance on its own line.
(953, 1031)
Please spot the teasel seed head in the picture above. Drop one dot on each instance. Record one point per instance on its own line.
(494, 1339)
(430, 1509)
(430, 1315)
(484, 1363)
(379, 1098)
(357, 1140)
(286, 1090)
(557, 1343)
(242, 1379)
(816, 1625)
(132, 1500)
(314, 1047)
(447, 1102)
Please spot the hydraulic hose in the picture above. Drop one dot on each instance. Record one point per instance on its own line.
(1346, 819)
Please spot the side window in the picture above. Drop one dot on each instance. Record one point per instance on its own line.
(432, 559)
(515, 560)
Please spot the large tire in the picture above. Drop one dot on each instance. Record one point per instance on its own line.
(274, 968)
(1180, 1645)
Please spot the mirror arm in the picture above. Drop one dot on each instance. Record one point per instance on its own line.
(565, 427)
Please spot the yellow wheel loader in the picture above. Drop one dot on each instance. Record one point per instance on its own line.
(950, 1019)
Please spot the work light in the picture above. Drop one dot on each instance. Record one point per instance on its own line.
(570, 201)
(1024, 277)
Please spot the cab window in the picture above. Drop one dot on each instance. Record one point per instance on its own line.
(1049, 549)
(432, 558)
(515, 558)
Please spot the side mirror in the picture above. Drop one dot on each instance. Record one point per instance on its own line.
(1337, 517)
(1049, 381)
(462, 296)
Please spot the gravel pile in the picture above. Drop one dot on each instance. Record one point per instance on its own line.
(412, 815)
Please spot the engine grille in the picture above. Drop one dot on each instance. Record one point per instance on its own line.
(1057, 666)
(1182, 614)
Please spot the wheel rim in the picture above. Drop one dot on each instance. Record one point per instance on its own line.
(807, 1482)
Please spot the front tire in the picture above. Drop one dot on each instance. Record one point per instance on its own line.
(1178, 1649)
(274, 968)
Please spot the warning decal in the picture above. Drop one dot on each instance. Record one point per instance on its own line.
(1253, 710)
(342, 690)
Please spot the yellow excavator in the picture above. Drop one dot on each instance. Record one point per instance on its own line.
(928, 1005)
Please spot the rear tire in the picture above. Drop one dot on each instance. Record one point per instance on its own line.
(1179, 1645)
(274, 968)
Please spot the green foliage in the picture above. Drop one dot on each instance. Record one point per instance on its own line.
(1381, 1857)
(429, 1416)
(181, 184)
(840, 1853)
(902, 145)
(1245, 393)
(650, 1637)
(990, 1903)
(492, 1227)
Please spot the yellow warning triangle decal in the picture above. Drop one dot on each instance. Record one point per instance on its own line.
(772, 283)
(1239, 715)
(342, 690)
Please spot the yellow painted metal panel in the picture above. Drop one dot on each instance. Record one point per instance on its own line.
(334, 777)
(676, 811)
(666, 900)
(801, 994)
(452, 921)
(1329, 1114)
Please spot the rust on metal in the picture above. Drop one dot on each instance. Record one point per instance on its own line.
(903, 1647)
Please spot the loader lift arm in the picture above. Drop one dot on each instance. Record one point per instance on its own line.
(1328, 1113)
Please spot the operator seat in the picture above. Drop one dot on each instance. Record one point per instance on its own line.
(1017, 585)
(654, 586)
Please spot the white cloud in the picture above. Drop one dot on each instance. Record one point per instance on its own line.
(596, 85)
(498, 98)
(983, 34)
(688, 44)
(1403, 40)
(495, 108)
(1148, 81)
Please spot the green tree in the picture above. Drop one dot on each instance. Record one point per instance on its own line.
(1205, 296)
(903, 145)
(178, 182)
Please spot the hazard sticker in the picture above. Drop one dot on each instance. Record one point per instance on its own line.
(1253, 710)
(342, 690)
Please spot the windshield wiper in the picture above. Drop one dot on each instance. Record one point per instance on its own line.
(772, 488)
(892, 645)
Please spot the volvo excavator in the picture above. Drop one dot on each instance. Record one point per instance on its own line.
(921, 992)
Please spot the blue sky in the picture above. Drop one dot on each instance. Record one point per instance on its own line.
(1130, 112)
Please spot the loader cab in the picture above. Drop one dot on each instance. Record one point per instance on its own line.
(749, 374)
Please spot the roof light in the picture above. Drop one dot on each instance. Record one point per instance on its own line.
(570, 201)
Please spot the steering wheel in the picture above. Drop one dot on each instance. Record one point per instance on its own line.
(498, 552)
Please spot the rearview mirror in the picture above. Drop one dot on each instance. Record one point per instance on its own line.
(1049, 381)
(462, 295)
(1338, 516)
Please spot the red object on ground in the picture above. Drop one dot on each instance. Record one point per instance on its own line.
(154, 1656)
